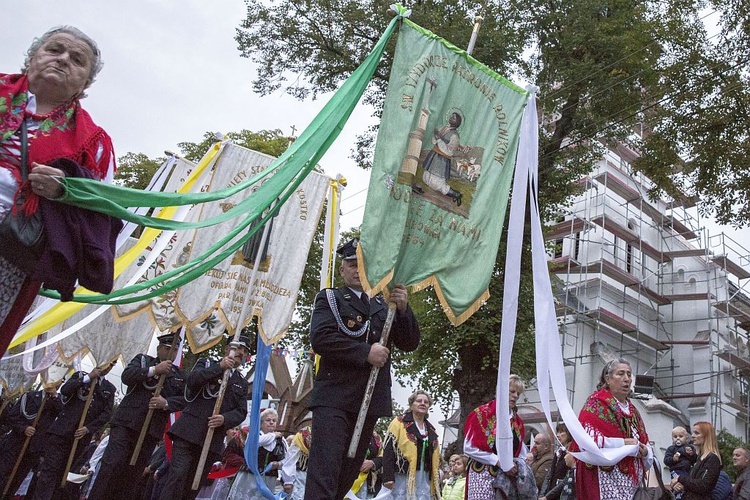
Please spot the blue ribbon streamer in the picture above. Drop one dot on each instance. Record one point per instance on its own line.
(262, 360)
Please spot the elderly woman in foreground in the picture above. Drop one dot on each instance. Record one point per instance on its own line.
(45, 135)
(613, 421)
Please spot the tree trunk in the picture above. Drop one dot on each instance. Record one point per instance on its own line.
(474, 382)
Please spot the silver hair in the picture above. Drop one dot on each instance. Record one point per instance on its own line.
(269, 411)
(516, 380)
(416, 393)
(609, 368)
(96, 64)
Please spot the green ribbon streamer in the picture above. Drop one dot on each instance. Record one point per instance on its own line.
(291, 169)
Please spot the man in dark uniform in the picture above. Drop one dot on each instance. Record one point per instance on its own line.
(64, 430)
(345, 331)
(116, 477)
(189, 431)
(21, 418)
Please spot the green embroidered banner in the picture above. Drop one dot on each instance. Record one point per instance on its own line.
(442, 173)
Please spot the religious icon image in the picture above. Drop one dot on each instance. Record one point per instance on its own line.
(447, 173)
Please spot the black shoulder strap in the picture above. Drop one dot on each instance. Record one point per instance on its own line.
(657, 470)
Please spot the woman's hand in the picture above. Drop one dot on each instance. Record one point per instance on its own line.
(45, 181)
(642, 450)
(512, 473)
(367, 466)
(677, 486)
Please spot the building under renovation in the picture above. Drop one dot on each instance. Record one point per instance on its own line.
(645, 280)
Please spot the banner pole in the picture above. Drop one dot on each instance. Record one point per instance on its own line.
(23, 448)
(82, 420)
(150, 414)
(371, 384)
(225, 379)
(475, 32)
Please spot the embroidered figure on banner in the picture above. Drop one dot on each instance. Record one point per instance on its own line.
(445, 175)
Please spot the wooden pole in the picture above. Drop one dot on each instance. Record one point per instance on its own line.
(477, 25)
(371, 384)
(86, 406)
(4, 405)
(225, 379)
(210, 433)
(23, 448)
(150, 414)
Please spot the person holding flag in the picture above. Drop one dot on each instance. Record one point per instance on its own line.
(142, 377)
(190, 430)
(29, 421)
(345, 330)
(80, 404)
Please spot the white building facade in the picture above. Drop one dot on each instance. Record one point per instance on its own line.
(642, 280)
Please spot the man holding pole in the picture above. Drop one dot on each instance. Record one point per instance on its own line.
(190, 430)
(23, 446)
(116, 478)
(345, 330)
(87, 405)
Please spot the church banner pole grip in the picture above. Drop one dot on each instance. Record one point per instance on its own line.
(150, 414)
(371, 384)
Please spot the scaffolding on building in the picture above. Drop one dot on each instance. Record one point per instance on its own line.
(650, 281)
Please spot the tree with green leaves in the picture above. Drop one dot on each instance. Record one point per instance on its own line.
(727, 444)
(608, 71)
(135, 170)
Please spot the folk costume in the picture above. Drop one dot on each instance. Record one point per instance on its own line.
(411, 458)
(126, 424)
(368, 484)
(19, 417)
(296, 461)
(610, 422)
(68, 132)
(344, 325)
(479, 445)
(271, 448)
(59, 438)
(190, 430)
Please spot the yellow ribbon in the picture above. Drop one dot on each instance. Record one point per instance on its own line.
(335, 191)
(359, 482)
(64, 310)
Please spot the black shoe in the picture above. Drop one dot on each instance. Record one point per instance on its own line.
(456, 196)
(416, 189)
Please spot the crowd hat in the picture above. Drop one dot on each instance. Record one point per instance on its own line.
(348, 251)
(245, 340)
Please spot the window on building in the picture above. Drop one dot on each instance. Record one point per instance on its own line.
(744, 386)
(558, 248)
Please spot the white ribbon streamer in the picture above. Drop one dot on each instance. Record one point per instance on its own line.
(549, 360)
